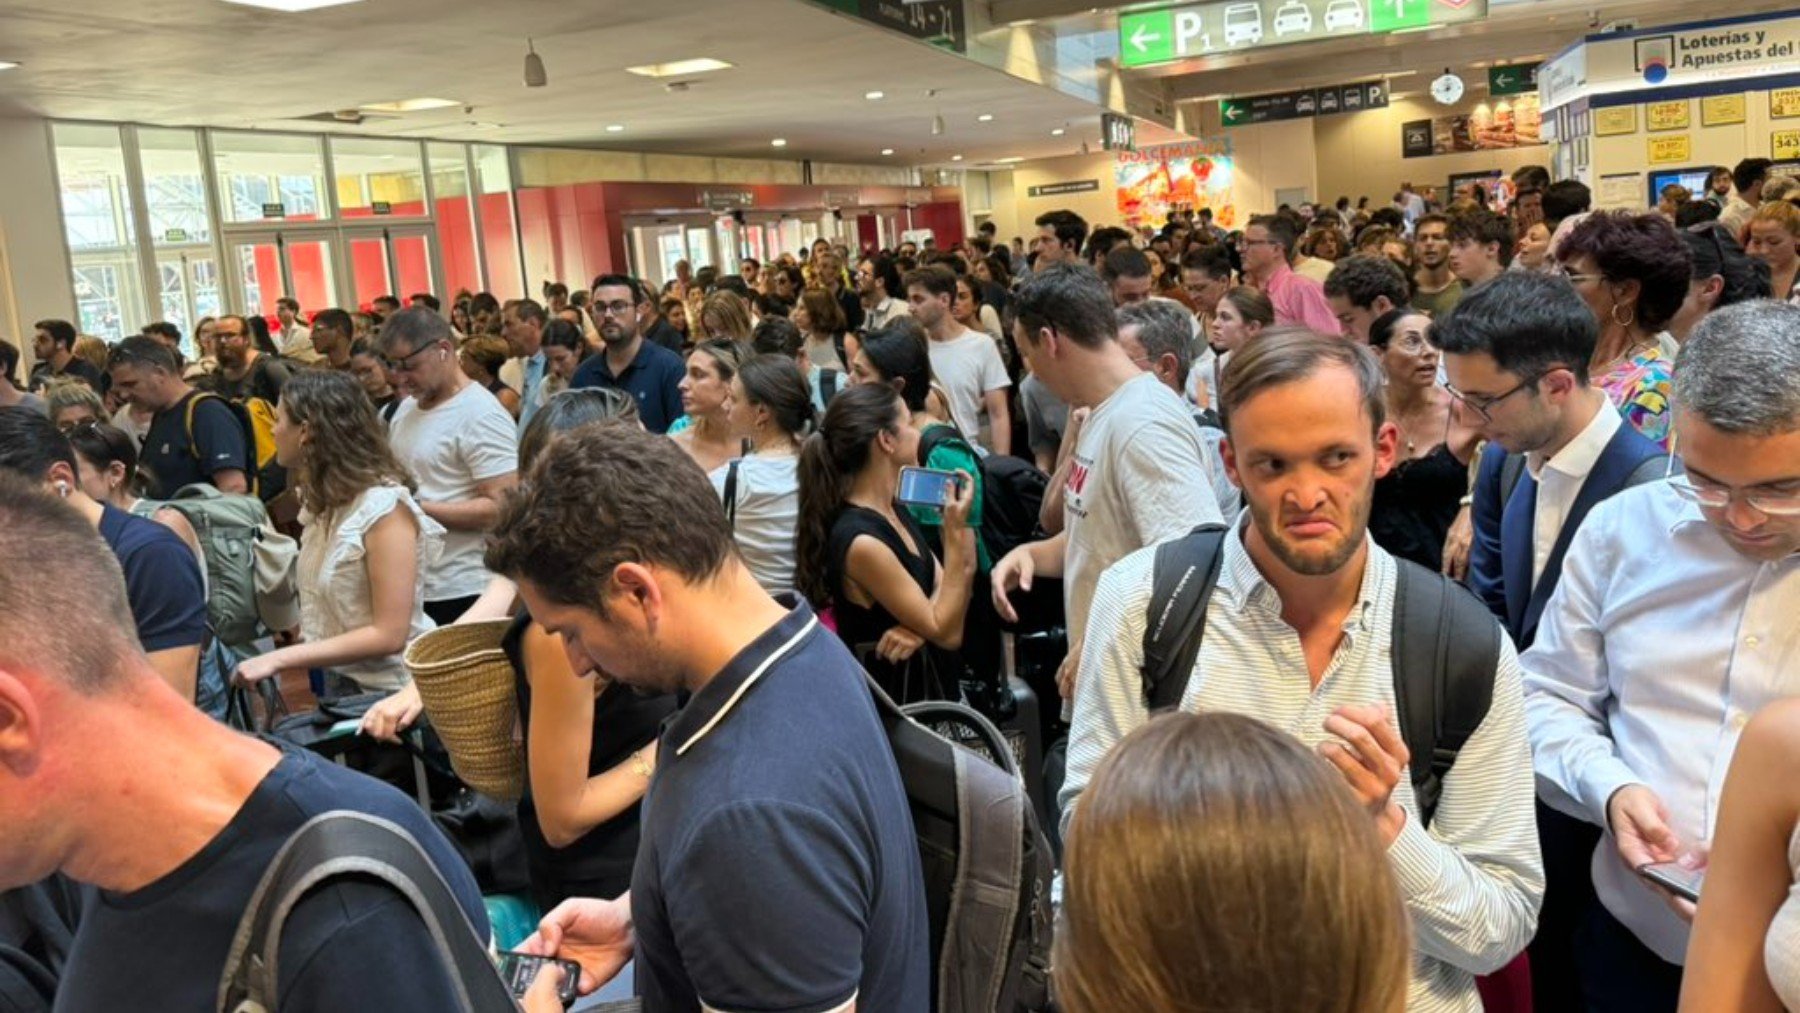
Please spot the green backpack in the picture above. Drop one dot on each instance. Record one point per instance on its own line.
(249, 566)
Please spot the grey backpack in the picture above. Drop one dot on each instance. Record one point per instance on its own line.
(340, 844)
(249, 565)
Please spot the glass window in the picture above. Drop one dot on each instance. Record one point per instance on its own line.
(505, 272)
(265, 177)
(455, 214)
(97, 222)
(180, 228)
(378, 176)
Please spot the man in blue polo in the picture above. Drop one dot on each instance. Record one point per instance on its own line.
(777, 868)
(649, 372)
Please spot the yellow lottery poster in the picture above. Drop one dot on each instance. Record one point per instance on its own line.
(1670, 150)
(1721, 110)
(1666, 115)
(1615, 120)
(1785, 144)
(1784, 103)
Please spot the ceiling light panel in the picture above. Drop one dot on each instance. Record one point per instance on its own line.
(291, 6)
(409, 105)
(678, 68)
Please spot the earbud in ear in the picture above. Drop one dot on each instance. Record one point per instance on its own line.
(62, 489)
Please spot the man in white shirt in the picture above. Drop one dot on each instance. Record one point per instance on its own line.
(522, 322)
(878, 286)
(965, 363)
(1134, 476)
(459, 445)
(1155, 335)
(1673, 623)
(1748, 177)
(1298, 632)
(1516, 351)
(294, 339)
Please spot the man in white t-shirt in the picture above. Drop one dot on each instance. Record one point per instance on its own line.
(1136, 476)
(965, 363)
(458, 444)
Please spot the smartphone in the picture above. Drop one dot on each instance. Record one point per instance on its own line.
(1673, 877)
(519, 970)
(927, 487)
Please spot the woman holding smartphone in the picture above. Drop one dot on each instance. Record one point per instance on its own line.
(896, 604)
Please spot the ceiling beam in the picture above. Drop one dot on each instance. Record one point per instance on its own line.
(1005, 12)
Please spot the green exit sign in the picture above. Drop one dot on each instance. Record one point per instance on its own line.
(1518, 79)
(1147, 37)
(1393, 15)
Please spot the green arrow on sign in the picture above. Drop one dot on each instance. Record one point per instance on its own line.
(1514, 80)
(1233, 110)
(1392, 15)
(1146, 37)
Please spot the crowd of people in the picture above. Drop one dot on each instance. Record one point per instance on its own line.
(1417, 579)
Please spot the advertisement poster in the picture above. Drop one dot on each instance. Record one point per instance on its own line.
(1155, 181)
(1666, 115)
(1615, 120)
(1505, 124)
(1721, 110)
(1670, 150)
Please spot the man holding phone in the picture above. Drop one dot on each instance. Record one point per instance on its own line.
(1672, 624)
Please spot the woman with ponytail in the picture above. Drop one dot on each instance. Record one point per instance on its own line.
(771, 411)
(898, 608)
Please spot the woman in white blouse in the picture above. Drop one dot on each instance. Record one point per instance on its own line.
(366, 542)
(1744, 954)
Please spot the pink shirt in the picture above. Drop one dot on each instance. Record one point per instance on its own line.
(1301, 301)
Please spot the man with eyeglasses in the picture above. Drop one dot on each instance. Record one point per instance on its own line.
(650, 373)
(459, 445)
(1267, 245)
(1674, 622)
(1516, 353)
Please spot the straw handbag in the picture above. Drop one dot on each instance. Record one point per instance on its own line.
(466, 685)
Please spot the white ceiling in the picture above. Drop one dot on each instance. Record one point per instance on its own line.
(800, 73)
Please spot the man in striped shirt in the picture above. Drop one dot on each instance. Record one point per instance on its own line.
(1298, 633)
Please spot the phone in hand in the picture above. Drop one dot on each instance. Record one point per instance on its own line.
(927, 487)
(1675, 878)
(519, 970)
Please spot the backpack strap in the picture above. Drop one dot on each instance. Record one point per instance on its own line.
(1446, 646)
(1511, 470)
(933, 437)
(193, 403)
(1183, 577)
(334, 845)
(731, 474)
(1652, 469)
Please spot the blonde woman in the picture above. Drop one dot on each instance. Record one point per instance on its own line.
(365, 546)
(1217, 864)
(723, 317)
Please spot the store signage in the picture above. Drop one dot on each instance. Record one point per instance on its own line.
(175, 236)
(1415, 138)
(1785, 144)
(842, 198)
(1722, 110)
(1614, 120)
(1296, 105)
(726, 200)
(1514, 80)
(1784, 103)
(1058, 189)
(1666, 115)
(381, 207)
(274, 211)
(1117, 133)
(1759, 46)
(1229, 26)
(938, 22)
(1670, 150)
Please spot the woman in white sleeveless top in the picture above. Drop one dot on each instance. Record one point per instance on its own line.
(1745, 951)
(366, 542)
(770, 409)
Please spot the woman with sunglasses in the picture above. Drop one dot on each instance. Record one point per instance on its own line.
(1633, 273)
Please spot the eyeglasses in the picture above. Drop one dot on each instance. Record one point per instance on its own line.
(617, 309)
(1577, 277)
(405, 363)
(1483, 406)
(1718, 497)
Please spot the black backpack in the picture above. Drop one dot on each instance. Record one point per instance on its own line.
(1446, 646)
(1012, 493)
(986, 863)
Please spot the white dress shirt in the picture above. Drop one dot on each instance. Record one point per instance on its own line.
(1560, 480)
(1659, 643)
(1472, 882)
(295, 342)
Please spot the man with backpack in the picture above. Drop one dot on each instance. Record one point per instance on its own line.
(1397, 677)
(194, 436)
(110, 777)
(250, 381)
(778, 867)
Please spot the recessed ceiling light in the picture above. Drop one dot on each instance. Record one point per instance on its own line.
(779, 142)
(955, 158)
(1008, 161)
(291, 6)
(985, 118)
(615, 128)
(887, 151)
(677, 68)
(1058, 132)
(7, 65)
(874, 96)
(479, 125)
(409, 105)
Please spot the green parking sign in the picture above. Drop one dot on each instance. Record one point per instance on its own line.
(1392, 15)
(1146, 37)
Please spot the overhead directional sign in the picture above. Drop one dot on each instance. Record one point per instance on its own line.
(1294, 105)
(1227, 26)
(1517, 79)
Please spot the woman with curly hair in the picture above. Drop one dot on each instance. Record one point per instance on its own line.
(366, 543)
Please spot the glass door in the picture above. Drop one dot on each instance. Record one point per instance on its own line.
(266, 266)
(399, 261)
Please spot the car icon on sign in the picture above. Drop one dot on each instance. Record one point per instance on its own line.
(1344, 15)
(1293, 18)
(1243, 24)
(1304, 104)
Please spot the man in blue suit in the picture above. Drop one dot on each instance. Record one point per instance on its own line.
(1516, 352)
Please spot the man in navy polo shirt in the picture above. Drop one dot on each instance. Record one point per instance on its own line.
(777, 868)
(645, 369)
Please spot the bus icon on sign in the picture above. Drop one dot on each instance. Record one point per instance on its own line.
(1243, 24)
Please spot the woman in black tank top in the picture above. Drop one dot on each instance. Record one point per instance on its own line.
(895, 606)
